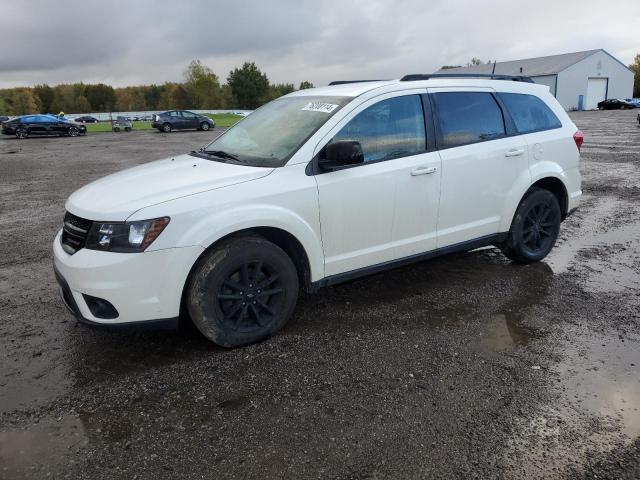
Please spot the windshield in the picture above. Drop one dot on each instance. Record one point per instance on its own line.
(272, 134)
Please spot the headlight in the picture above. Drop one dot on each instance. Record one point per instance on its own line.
(127, 237)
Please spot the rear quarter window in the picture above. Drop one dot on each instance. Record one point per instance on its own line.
(529, 113)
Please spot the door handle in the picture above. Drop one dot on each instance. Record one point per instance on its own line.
(514, 152)
(424, 170)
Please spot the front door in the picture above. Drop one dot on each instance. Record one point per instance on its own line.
(190, 120)
(386, 207)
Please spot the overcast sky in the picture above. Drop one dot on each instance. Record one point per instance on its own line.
(142, 42)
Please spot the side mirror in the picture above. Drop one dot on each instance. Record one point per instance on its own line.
(341, 154)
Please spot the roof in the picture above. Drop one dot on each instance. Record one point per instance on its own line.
(344, 90)
(381, 87)
(531, 67)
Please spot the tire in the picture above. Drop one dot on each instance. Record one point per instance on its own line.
(127, 129)
(166, 127)
(534, 228)
(242, 292)
(73, 131)
(22, 133)
(204, 126)
(116, 129)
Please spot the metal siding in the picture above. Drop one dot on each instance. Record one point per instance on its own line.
(573, 81)
(539, 66)
(549, 81)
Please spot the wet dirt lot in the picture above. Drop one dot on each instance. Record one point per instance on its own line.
(462, 367)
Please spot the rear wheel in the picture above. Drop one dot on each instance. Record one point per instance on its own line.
(242, 292)
(22, 133)
(204, 126)
(127, 129)
(166, 127)
(535, 227)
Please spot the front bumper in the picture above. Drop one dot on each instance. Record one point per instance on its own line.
(144, 288)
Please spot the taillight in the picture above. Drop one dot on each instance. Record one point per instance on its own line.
(578, 137)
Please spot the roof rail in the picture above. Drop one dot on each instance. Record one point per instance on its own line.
(344, 82)
(496, 76)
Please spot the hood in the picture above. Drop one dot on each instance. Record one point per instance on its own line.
(116, 197)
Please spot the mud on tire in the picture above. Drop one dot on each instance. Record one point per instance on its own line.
(243, 291)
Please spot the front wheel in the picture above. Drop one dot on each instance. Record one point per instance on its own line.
(242, 292)
(204, 126)
(535, 227)
(73, 131)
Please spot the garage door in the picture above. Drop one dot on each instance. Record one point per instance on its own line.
(596, 92)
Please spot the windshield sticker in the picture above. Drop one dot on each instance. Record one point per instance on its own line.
(320, 107)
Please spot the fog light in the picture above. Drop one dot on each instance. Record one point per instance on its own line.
(100, 308)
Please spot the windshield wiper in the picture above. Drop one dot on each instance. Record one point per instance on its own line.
(221, 154)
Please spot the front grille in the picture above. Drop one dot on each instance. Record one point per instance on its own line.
(74, 233)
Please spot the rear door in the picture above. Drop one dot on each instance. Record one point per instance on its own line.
(482, 161)
(176, 120)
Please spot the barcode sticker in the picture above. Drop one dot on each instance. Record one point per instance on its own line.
(320, 107)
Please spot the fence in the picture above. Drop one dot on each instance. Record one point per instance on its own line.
(104, 117)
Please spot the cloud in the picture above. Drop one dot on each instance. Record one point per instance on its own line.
(123, 42)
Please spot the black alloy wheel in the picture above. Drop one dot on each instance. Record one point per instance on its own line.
(242, 291)
(22, 133)
(535, 227)
(539, 227)
(250, 297)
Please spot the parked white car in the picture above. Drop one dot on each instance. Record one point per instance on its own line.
(317, 187)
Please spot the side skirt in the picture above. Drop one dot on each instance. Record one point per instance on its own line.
(381, 267)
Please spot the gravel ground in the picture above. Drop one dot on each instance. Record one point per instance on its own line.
(466, 366)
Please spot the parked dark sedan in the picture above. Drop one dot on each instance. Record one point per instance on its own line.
(614, 104)
(27, 125)
(87, 119)
(181, 120)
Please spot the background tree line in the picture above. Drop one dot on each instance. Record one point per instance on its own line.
(246, 88)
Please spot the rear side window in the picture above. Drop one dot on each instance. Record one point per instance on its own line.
(388, 129)
(529, 113)
(467, 117)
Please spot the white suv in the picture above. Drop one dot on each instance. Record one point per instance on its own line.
(315, 188)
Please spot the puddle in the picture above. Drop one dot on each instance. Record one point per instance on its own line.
(27, 453)
(605, 249)
(601, 376)
(594, 407)
(503, 333)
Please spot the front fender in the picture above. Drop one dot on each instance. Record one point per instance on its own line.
(211, 229)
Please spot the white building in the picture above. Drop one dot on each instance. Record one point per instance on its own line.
(594, 74)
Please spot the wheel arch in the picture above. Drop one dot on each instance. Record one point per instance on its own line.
(282, 238)
(551, 180)
(559, 190)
